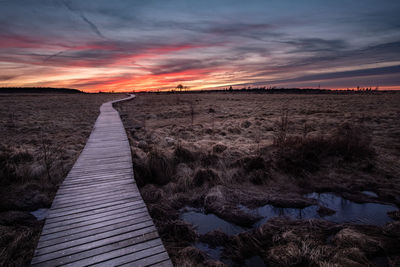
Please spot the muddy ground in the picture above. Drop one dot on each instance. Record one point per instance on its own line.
(41, 136)
(226, 154)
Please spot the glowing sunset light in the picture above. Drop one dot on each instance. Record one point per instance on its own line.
(137, 45)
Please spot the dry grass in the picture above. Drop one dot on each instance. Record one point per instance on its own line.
(41, 135)
(219, 150)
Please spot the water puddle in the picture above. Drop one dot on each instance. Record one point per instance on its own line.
(370, 193)
(346, 211)
(205, 223)
(40, 214)
(351, 212)
(270, 211)
(255, 261)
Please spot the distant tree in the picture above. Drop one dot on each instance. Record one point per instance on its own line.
(179, 87)
(230, 88)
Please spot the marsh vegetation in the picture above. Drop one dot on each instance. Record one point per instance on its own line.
(41, 136)
(245, 178)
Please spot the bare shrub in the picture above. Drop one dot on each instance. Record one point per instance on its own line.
(192, 112)
(281, 129)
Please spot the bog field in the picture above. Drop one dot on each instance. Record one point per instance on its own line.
(229, 178)
(285, 179)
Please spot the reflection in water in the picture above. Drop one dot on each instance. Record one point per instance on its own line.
(205, 223)
(351, 212)
(370, 193)
(346, 212)
(40, 214)
(269, 211)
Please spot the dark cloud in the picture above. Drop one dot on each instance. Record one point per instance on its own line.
(93, 26)
(179, 65)
(317, 45)
(7, 77)
(346, 74)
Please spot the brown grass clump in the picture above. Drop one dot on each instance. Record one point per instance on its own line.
(203, 176)
(182, 154)
(190, 256)
(159, 167)
(303, 253)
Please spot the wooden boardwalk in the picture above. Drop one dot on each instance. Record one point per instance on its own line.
(98, 216)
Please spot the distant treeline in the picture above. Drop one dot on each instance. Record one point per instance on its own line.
(41, 90)
(264, 90)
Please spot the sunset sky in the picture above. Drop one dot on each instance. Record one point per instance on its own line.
(156, 45)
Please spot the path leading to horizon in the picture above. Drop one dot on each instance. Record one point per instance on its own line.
(98, 216)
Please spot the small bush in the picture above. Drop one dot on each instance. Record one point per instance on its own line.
(351, 142)
(348, 143)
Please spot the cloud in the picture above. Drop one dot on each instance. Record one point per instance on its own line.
(7, 77)
(317, 45)
(158, 43)
(346, 74)
(93, 26)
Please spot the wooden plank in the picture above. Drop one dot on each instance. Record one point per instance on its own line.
(58, 213)
(161, 259)
(124, 255)
(105, 191)
(94, 216)
(92, 200)
(102, 229)
(95, 248)
(91, 205)
(98, 215)
(57, 228)
(87, 228)
(93, 212)
(89, 239)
